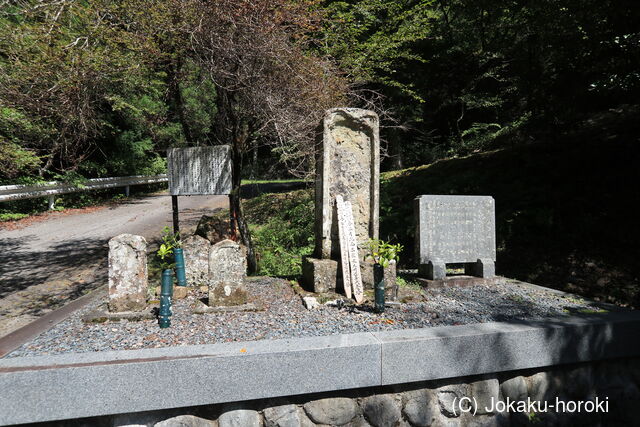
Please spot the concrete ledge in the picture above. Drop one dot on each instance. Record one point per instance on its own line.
(456, 351)
(79, 385)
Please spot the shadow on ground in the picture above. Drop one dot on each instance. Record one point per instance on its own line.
(20, 268)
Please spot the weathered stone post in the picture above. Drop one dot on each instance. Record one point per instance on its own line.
(196, 258)
(128, 278)
(348, 164)
(227, 274)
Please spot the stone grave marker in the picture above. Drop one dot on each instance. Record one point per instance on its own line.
(128, 278)
(455, 229)
(227, 274)
(348, 164)
(196, 260)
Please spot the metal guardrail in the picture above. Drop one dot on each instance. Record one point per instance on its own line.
(50, 189)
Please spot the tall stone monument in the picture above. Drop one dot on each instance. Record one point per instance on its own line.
(347, 164)
(128, 278)
(455, 230)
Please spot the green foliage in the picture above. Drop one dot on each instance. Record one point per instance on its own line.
(164, 255)
(376, 40)
(282, 230)
(12, 216)
(383, 252)
(171, 239)
(15, 160)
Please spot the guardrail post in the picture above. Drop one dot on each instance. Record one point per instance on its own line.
(52, 202)
(126, 191)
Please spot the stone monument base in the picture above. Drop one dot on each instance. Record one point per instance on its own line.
(451, 281)
(103, 315)
(325, 275)
(201, 308)
(437, 269)
(320, 275)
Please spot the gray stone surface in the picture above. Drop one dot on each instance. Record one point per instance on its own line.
(283, 416)
(455, 229)
(310, 302)
(196, 260)
(240, 418)
(382, 410)
(425, 354)
(486, 393)
(186, 421)
(421, 407)
(199, 170)
(128, 277)
(47, 388)
(358, 421)
(320, 275)
(449, 400)
(514, 388)
(538, 386)
(332, 411)
(366, 271)
(347, 163)
(227, 274)
(89, 384)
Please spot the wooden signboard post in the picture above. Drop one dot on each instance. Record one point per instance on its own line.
(344, 251)
(347, 230)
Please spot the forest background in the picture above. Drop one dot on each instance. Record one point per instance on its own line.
(102, 88)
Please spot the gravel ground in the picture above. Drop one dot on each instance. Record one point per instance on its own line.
(285, 316)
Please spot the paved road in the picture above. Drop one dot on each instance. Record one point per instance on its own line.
(51, 262)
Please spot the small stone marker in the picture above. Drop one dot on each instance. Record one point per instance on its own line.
(128, 278)
(199, 170)
(227, 274)
(455, 229)
(196, 259)
(344, 247)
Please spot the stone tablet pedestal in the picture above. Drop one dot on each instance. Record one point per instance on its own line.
(347, 164)
(227, 274)
(484, 268)
(455, 230)
(324, 275)
(321, 275)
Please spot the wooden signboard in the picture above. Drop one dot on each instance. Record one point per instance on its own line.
(344, 251)
(349, 234)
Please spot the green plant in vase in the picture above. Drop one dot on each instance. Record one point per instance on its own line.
(172, 240)
(165, 255)
(383, 254)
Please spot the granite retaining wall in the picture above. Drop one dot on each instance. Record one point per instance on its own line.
(442, 376)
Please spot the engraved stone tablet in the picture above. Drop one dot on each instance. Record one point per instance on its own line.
(348, 163)
(199, 170)
(455, 229)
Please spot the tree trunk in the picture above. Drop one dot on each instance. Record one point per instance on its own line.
(239, 226)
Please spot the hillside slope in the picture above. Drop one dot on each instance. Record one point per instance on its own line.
(566, 214)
